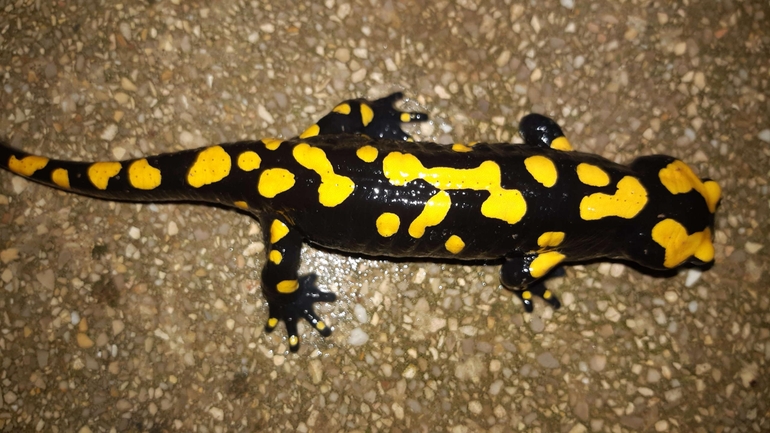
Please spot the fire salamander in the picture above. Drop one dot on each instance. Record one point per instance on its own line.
(355, 182)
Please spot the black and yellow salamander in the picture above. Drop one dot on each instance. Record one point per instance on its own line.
(355, 182)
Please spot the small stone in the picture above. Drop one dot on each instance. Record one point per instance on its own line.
(680, 48)
(117, 326)
(84, 429)
(358, 76)
(536, 75)
(109, 132)
(547, 360)
(598, 362)
(578, 62)
(441, 92)
(700, 80)
(315, 368)
(673, 395)
(578, 428)
(358, 337)
(752, 247)
(503, 58)
(264, 114)
(172, 228)
(84, 341)
(360, 313)
(217, 413)
(134, 233)
(764, 135)
(123, 405)
(126, 84)
(569, 4)
(9, 397)
(121, 98)
(475, 407)
(535, 23)
(693, 275)
(186, 138)
(612, 314)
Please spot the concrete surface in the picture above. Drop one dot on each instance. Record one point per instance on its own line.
(122, 318)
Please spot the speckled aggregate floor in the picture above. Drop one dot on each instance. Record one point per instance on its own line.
(117, 317)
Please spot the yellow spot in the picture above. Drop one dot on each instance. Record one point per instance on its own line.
(547, 294)
(272, 322)
(287, 286)
(277, 231)
(293, 340)
(212, 165)
(334, 189)
(241, 204)
(142, 175)
(311, 132)
(99, 173)
(542, 169)
(388, 224)
(343, 108)
(561, 143)
(712, 193)
(436, 209)
(406, 117)
(248, 161)
(544, 262)
(274, 181)
(275, 257)
(678, 178)
(504, 204)
(461, 148)
(366, 114)
(680, 246)
(526, 295)
(28, 165)
(61, 177)
(627, 202)
(367, 153)
(271, 143)
(592, 175)
(550, 239)
(320, 326)
(454, 244)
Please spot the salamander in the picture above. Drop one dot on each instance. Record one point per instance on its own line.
(355, 182)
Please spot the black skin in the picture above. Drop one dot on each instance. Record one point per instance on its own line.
(351, 225)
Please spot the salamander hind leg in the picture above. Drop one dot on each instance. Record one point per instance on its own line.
(522, 275)
(376, 119)
(290, 297)
(539, 130)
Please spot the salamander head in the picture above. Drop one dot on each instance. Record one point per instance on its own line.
(677, 225)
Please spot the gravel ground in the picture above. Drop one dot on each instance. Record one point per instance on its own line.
(119, 317)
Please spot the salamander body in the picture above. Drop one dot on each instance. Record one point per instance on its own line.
(355, 182)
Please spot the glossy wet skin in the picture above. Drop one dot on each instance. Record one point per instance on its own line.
(355, 182)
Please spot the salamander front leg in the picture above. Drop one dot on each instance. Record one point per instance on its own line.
(290, 297)
(521, 275)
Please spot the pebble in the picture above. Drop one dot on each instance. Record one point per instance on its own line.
(661, 425)
(134, 233)
(360, 313)
(547, 360)
(598, 362)
(84, 341)
(752, 247)
(264, 114)
(358, 337)
(316, 370)
(217, 413)
(693, 275)
(764, 135)
(126, 84)
(569, 4)
(109, 133)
